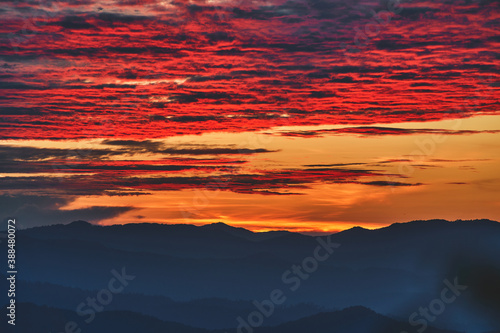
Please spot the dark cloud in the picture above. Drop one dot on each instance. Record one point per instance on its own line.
(160, 147)
(219, 36)
(20, 86)
(210, 78)
(268, 182)
(74, 23)
(12, 110)
(114, 148)
(109, 167)
(114, 180)
(31, 211)
(146, 144)
(403, 76)
(345, 79)
(321, 94)
(114, 18)
(13, 153)
(417, 13)
(390, 183)
(196, 96)
(367, 130)
(214, 151)
(396, 44)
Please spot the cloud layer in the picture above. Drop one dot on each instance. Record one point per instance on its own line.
(144, 69)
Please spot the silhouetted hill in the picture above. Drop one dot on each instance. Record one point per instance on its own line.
(209, 313)
(33, 319)
(356, 319)
(393, 270)
(179, 240)
(352, 320)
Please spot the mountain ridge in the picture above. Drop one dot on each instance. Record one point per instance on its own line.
(350, 320)
(405, 263)
(221, 226)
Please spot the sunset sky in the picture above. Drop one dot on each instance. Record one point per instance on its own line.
(310, 116)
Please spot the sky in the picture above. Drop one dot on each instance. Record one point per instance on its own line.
(311, 116)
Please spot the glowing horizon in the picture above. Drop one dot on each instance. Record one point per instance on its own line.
(297, 115)
(277, 187)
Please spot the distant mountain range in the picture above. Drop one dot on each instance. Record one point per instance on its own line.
(206, 277)
(351, 320)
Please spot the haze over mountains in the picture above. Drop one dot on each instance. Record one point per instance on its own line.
(351, 320)
(206, 277)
